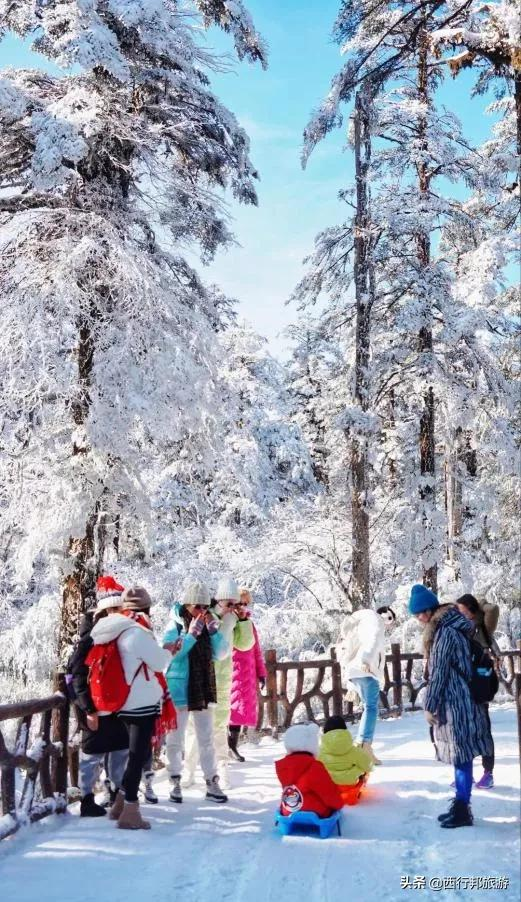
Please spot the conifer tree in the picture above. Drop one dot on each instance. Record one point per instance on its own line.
(105, 174)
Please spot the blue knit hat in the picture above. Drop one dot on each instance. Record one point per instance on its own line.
(422, 599)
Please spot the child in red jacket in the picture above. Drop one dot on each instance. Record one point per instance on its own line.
(306, 784)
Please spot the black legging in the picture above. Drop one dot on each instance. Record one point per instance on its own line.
(140, 730)
(488, 760)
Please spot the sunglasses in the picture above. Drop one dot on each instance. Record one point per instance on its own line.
(228, 604)
(200, 607)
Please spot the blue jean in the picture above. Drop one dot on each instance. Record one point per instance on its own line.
(90, 766)
(463, 780)
(369, 691)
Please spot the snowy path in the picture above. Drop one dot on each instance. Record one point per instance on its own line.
(198, 851)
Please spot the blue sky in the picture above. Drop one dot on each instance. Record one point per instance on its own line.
(274, 107)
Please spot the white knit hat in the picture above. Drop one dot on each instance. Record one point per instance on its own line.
(302, 737)
(196, 593)
(227, 589)
(104, 604)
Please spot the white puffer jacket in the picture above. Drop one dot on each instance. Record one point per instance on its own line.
(362, 641)
(137, 646)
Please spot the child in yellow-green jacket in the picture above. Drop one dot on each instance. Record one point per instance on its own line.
(347, 764)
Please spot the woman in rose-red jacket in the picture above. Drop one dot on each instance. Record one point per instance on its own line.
(248, 672)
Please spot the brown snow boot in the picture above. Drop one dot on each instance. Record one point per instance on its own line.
(367, 747)
(130, 818)
(117, 807)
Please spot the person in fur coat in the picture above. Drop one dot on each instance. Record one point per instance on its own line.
(458, 724)
(248, 672)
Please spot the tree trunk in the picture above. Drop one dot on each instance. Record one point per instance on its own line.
(453, 499)
(80, 583)
(363, 292)
(517, 98)
(427, 420)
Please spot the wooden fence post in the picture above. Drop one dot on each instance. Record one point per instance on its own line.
(517, 695)
(336, 679)
(60, 733)
(271, 691)
(8, 794)
(397, 676)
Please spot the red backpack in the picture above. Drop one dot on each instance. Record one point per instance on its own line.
(108, 686)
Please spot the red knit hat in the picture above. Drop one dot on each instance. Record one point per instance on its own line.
(107, 587)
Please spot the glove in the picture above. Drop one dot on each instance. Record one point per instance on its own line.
(196, 627)
(212, 625)
(262, 682)
(174, 647)
(431, 718)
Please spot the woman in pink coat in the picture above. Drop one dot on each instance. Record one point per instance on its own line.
(248, 671)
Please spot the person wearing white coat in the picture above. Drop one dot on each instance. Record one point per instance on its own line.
(361, 653)
(141, 658)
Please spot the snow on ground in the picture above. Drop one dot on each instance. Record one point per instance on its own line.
(201, 851)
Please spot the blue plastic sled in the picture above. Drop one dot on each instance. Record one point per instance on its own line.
(304, 820)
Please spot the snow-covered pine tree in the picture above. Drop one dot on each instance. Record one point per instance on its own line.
(414, 290)
(487, 37)
(255, 457)
(307, 381)
(483, 251)
(107, 333)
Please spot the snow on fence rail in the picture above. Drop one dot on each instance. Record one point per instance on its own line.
(316, 687)
(44, 788)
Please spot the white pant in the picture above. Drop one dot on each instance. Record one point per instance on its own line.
(220, 740)
(175, 742)
(220, 744)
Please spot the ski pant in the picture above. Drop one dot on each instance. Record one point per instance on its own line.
(175, 743)
(488, 760)
(463, 781)
(90, 766)
(369, 691)
(140, 732)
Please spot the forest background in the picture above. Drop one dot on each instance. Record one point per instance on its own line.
(148, 428)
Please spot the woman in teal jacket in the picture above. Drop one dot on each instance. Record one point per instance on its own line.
(191, 681)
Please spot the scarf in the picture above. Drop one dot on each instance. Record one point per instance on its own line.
(166, 719)
(201, 674)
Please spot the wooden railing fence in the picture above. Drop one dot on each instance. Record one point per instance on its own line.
(316, 687)
(43, 757)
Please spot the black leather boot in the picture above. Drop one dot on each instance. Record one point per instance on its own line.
(88, 807)
(443, 817)
(233, 739)
(460, 816)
